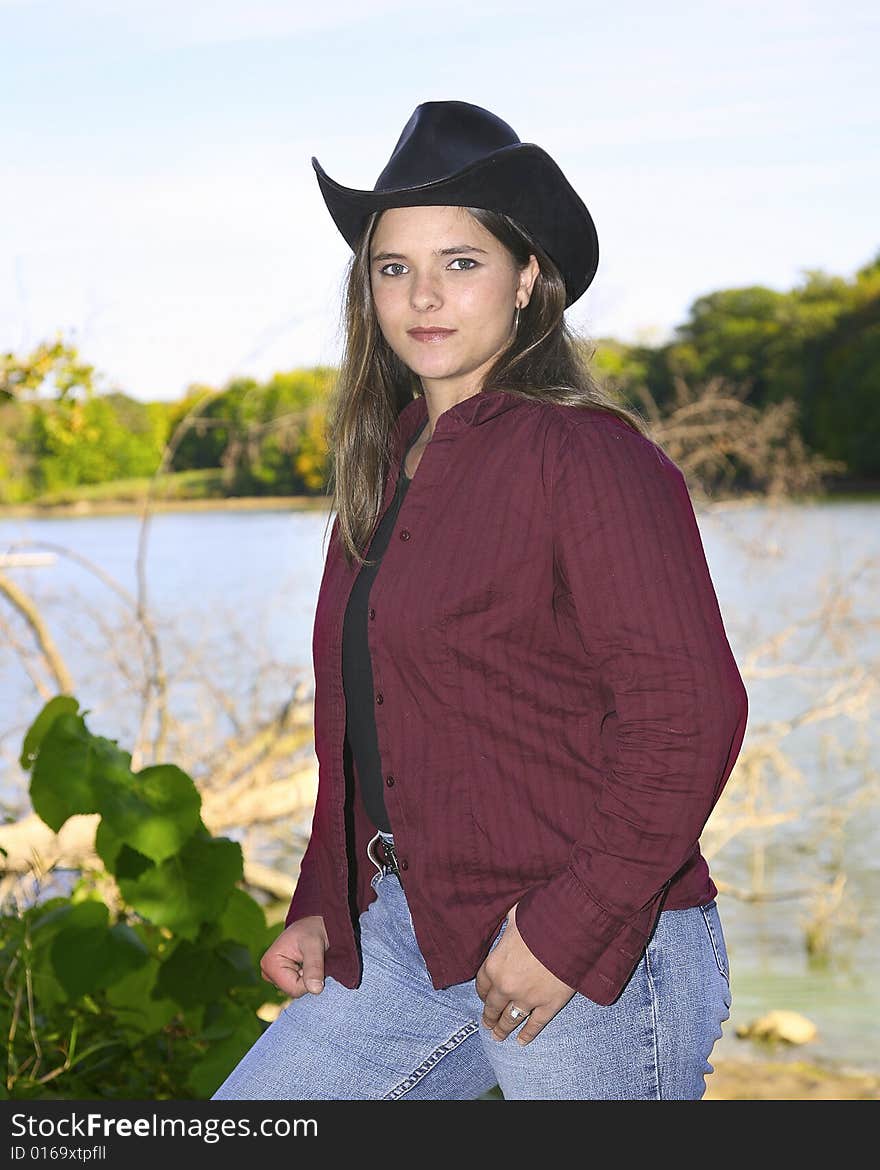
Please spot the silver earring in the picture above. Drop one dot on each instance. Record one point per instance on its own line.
(516, 319)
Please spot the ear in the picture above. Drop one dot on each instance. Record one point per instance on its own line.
(527, 277)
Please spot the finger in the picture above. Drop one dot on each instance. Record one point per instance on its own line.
(493, 1005)
(507, 1024)
(313, 965)
(533, 1025)
(285, 973)
(482, 983)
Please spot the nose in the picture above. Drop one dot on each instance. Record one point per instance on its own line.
(425, 292)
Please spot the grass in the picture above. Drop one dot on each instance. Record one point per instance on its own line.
(177, 490)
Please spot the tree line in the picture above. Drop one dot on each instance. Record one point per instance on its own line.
(816, 346)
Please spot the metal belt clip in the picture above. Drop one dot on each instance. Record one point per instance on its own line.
(390, 856)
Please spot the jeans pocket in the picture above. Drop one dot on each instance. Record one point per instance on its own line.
(712, 919)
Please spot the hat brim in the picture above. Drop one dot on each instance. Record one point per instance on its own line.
(521, 180)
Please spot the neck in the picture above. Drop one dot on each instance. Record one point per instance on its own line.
(440, 398)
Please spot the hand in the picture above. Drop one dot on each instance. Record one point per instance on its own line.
(512, 974)
(295, 960)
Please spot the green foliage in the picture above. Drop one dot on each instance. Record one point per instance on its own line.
(267, 437)
(59, 432)
(312, 459)
(175, 486)
(817, 344)
(59, 438)
(145, 981)
(52, 363)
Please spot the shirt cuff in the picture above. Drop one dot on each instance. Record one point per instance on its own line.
(567, 930)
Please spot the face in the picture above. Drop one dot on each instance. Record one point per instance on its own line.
(437, 268)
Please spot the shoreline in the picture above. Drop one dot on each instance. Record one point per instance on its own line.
(134, 508)
(130, 507)
(775, 1078)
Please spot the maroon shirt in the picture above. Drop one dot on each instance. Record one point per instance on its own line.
(557, 706)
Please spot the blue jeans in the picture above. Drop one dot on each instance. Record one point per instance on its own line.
(396, 1038)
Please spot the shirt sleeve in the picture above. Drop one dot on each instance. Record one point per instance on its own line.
(627, 551)
(307, 894)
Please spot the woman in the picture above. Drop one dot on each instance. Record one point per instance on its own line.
(525, 718)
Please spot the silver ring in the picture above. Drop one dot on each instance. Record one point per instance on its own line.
(517, 1013)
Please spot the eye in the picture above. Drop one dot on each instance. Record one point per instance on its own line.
(393, 264)
(465, 260)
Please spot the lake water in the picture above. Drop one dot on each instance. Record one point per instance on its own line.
(233, 594)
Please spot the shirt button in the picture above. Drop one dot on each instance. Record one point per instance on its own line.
(404, 864)
(380, 698)
(389, 780)
(372, 612)
(404, 534)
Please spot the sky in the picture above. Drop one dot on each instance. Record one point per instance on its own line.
(159, 210)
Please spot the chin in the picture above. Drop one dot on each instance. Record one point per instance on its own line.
(429, 370)
(431, 366)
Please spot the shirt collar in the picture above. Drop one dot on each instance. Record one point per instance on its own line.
(476, 409)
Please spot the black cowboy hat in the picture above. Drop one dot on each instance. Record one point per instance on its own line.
(462, 155)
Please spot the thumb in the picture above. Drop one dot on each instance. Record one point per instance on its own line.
(313, 965)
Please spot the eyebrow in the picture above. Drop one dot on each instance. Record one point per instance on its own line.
(455, 249)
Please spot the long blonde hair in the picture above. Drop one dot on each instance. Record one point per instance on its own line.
(541, 363)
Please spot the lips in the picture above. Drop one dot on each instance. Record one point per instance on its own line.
(430, 334)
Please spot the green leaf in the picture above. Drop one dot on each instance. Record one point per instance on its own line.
(130, 864)
(61, 914)
(189, 888)
(88, 958)
(193, 1017)
(60, 704)
(243, 919)
(61, 782)
(25, 968)
(47, 920)
(136, 1008)
(47, 990)
(197, 974)
(154, 811)
(125, 936)
(71, 768)
(109, 757)
(107, 846)
(222, 1057)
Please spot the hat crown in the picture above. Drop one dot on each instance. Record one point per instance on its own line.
(460, 155)
(439, 140)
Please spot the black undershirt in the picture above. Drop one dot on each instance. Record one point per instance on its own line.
(357, 671)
